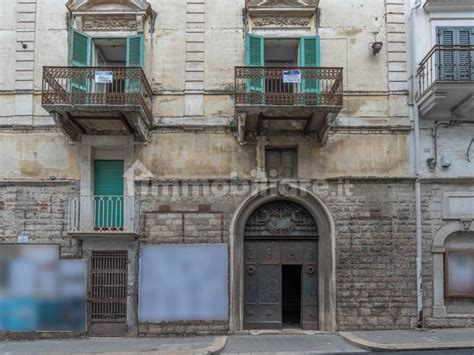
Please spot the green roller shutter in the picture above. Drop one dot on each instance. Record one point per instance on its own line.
(310, 57)
(455, 64)
(255, 57)
(80, 56)
(108, 194)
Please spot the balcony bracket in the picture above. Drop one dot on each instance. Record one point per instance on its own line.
(68, 126)
(241, 119)
(465, 108)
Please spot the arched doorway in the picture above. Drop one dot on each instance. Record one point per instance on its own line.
(326, 261)
(280, 271)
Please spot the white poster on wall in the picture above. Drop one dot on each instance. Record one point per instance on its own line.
(183, 282)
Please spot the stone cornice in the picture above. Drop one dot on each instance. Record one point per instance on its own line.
(278, 8)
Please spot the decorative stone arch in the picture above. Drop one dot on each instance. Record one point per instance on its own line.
(438, 250)
(110, 15)
(87, 5)
(326, 250)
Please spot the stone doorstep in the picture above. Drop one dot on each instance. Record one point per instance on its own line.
(283, 332)
(370, 345)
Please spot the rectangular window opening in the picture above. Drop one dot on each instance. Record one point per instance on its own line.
(459, 273)
(281, 163)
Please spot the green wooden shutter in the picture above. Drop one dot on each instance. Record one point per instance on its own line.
(254, 50)
(135, 58)
(310, 57)
(80, 56)
(108, 194)
(255, 57)
(135, 49)
(81, 49)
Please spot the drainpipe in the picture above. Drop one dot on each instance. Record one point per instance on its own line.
(416, 119)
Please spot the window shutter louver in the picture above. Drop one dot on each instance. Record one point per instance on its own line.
(465, 63)
(446, 61)
(255, 57)
(80, 56)
(81, 51)
(135, 46)
(135, 58)
(455, 64)
(310, 57)
(255, 50)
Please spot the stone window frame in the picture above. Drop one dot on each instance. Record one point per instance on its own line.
(281, 149)
(438, 252)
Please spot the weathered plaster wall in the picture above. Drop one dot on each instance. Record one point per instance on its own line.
(173, 155)
(37, 155)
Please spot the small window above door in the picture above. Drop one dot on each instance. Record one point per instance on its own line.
(281, 163)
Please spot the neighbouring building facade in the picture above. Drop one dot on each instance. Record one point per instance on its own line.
(443, 67)
(223, 166)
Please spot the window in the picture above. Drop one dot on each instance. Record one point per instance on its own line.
(86, 51)
(281, 163)
(459, 273)
(455, 64)
(282, 52)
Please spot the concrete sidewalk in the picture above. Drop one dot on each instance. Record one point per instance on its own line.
(257, 342)
(403, 340)
(119, 346)
(286, 344)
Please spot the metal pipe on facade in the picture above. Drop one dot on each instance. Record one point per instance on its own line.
(418, 217)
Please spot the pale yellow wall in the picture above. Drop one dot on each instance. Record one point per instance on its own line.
(345, 30)
(37, 155)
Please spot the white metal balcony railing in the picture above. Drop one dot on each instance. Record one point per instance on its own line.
(103, 213)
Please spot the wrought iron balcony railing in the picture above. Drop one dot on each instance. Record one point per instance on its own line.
(103, 213)
(128, 86)
(311, 86)
(445, 63)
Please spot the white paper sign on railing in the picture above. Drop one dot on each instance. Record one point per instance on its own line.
(291, 76)
(103, 77)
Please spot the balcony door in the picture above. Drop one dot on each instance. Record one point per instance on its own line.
(108, 195)
(275, 54)
(457, 63)
(112, 52)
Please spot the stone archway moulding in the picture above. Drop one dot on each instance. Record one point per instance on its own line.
(444, 232)
(438, 250)
(327, 253)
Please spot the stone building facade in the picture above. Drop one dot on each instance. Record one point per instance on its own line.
(443, 108)
(291, 113)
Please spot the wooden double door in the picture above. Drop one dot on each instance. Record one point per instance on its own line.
(281, 284)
